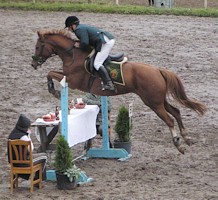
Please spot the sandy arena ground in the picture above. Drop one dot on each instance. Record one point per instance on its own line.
(186, 45)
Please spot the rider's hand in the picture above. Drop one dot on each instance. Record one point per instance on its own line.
(77, 45)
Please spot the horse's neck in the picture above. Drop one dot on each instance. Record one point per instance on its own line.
(61, 43)
(70, 55)
(65, 47)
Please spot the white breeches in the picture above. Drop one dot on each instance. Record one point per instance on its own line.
(104, 53)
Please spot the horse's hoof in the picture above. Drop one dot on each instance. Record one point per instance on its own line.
(181, 149)
(176, 141)
(57, 94)
(50, 86)
(188, 140)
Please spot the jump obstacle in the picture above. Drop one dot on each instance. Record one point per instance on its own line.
(105, 151)
(64, 131)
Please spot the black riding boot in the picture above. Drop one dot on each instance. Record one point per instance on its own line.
(108, 84)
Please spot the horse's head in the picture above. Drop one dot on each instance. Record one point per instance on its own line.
(43, 51)
(47, 47)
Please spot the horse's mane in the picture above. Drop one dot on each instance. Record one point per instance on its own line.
(63, 32)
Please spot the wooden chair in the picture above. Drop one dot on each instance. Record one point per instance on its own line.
(22, 163)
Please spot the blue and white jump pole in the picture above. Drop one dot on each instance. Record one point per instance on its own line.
(64, 108)
(106, 151)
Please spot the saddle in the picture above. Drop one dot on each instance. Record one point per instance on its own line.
(113, 64)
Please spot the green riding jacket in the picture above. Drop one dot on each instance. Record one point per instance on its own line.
(91, 36)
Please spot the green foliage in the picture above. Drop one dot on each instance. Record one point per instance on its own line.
(123, 126)
(73, 173)
(105, 8)
(64, 156)
(63, 160)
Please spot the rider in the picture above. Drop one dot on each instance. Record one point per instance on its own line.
(102, 41)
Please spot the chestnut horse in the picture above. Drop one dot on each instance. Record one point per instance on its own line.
(148, 82)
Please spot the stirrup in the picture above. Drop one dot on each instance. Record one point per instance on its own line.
(108, 86)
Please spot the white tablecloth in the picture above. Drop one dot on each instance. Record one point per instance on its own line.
(81, 124)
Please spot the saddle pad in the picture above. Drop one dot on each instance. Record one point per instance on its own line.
(116, 72)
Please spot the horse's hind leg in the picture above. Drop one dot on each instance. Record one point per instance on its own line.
(162, 113)
(176, 113)
(57, 76)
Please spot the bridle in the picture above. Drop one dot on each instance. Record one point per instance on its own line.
(40, 59)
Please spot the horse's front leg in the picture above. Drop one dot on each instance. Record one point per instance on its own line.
(57, 76)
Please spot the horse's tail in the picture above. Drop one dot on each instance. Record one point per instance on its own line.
(176, 89)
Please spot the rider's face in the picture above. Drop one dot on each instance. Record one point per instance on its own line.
(72, 27)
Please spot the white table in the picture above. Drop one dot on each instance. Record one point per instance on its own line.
(81, 124)
(45, 133)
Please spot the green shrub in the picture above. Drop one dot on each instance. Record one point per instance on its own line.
(63, 156)
(123, 126)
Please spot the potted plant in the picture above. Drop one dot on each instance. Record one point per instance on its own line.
(122, 128)
(66, 172)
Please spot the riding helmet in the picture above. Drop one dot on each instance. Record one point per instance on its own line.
(71, 20)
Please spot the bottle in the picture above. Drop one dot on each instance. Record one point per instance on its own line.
(57, 113)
